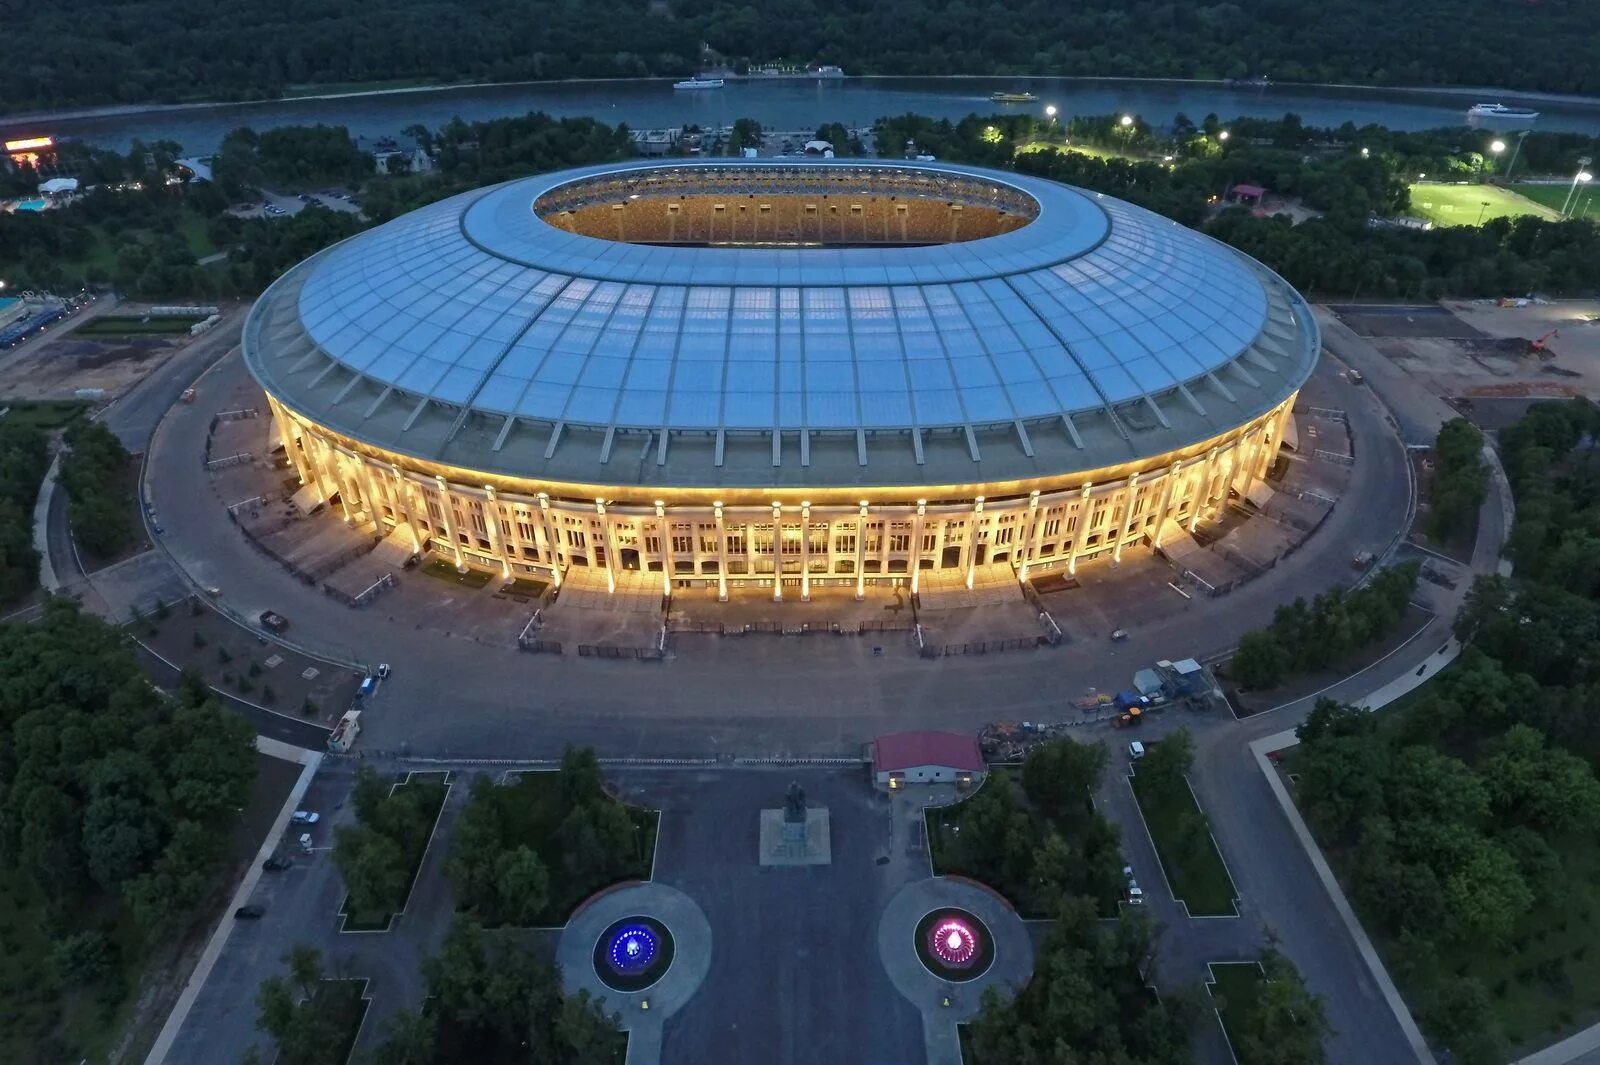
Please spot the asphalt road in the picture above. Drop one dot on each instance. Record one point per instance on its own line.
(739, 696)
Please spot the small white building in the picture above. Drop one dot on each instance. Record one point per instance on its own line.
(58, 186)
(901, 758)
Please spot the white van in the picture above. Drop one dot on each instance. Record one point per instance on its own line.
(1136, 750)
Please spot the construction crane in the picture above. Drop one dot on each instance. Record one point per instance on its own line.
(1539, 348)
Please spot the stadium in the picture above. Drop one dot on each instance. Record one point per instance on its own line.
(782, 374)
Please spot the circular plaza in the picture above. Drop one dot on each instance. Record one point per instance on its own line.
(779, 374)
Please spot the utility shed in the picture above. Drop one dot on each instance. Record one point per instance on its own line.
(926, 758)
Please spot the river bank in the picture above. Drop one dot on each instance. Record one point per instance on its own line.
(1464, 92)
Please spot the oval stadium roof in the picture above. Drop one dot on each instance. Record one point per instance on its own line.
(476, 333)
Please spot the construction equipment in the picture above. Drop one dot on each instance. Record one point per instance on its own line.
(1541, 348)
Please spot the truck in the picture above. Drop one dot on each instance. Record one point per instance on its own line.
(345, 732)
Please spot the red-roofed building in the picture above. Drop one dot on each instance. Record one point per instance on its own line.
(926, 758)
(1243, 193)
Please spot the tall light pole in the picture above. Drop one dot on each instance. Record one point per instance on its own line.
(1050, 113)
(1126, 123)
(1581, 176)
(1495, 148)
(1514, 153)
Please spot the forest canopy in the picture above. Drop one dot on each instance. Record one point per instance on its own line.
(137, 51)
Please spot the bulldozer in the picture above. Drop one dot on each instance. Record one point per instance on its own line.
(1541, 346)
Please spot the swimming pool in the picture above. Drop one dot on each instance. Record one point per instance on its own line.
(36, 204)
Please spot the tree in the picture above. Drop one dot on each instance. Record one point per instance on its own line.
(84, 959)
(1059, 777)
(374, 869)
(305, 968)
(522, 886)
(1551, 789)
(580, 777)
(1166, 763)
(1287, 1023)
(586, 1033)
(1485, 895)
(1459, 1015)
(410, 1040)
(1260, 660)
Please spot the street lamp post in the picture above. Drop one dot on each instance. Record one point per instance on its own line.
(1126, 123)
(1483, 206)
(1495, 148)
(1514, 153)
(1580, 177)
(1050, 113)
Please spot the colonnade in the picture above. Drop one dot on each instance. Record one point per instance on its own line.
(778, 539)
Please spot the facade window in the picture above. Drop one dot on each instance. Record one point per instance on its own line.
(652, 544)
(1052, 526)
(684, 544)
(477, 522)
(845, 543)
(899, 542)
(930, 541)
(525, 530)
(577, 538)
(763, 537)
(737, 545)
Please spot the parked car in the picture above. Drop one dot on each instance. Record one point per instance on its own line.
(1136, 750)
(275, 864)
(306, 817)
(249, 913)
(274, 621)
(1135, 892)
(383, 671)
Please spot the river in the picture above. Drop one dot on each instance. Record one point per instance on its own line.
(794, 105)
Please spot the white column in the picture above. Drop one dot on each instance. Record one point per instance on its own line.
(491, 521)
(805, 552)
(1128, 493)
(1080, 528)
(611, 545)
(722, 556)
(1027, 546)
(447, 508)
(777, 553)
(972, 549)
(666, 548)
(861, 553)
(1169, 484)
(552, 536)
(408, 494)
(1202, 497)
(916, 545)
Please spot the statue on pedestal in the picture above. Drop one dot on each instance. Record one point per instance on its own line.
(794, 803)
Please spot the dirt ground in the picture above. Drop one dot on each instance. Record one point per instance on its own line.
(1474, 349)
(59, 364)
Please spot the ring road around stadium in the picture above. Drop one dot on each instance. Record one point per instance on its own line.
(782, 374)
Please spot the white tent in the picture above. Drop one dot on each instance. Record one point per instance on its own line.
(58, 185)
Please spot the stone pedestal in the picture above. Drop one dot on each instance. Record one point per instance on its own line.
(792, 843)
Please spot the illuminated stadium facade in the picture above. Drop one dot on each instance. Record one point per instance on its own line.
(782, 373)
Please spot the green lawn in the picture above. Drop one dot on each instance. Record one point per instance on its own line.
(1234, 988)
(123, 325)
(357, 921)
(346, 1009)
(1196, 873)
(1553, 196)
(42, 413)
(1463, 205)
(445, 571)
(1082, 149)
